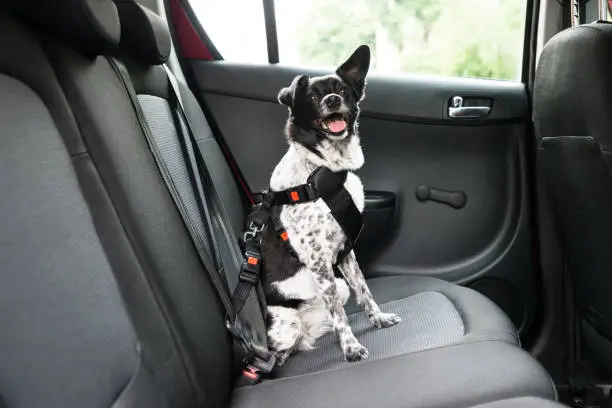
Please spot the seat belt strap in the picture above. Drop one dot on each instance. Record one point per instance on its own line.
(250, 270)
(245, 348)
(196, 235)
(219, 210)
(249, 327)
(295, 195)
(576, 368)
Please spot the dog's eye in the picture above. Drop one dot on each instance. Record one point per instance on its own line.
(314, 98)
(343, 92)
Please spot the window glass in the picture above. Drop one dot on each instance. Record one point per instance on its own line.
(236, 27)
(476, 38)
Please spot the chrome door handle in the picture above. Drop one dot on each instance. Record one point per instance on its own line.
(457, 110)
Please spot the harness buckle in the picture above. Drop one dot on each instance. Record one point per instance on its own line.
(298, 194)
(251, 265)
(253, 231)
(252, 374)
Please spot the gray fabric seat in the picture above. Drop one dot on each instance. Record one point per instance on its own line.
(572, 101)
(442, 377)
(74, 334)
(480, 317)
(107, 302)
(524, 402)
(435, 313)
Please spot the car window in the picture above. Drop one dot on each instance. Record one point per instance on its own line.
(236, 27)
(474, 38)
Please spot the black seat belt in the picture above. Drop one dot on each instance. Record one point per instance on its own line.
(577, 368)
(249, 319)
(247, 349)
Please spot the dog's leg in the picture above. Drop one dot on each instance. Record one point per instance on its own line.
(321, 268)
(343, 290)
(307, 226)
(354, 276)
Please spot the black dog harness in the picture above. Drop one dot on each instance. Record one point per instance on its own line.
(322, 184)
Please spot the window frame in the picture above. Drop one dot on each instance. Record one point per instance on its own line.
(199, 29)
(529, 56)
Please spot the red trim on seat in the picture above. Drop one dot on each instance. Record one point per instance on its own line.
(190, 44)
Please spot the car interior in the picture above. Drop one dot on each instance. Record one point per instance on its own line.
(132, 151)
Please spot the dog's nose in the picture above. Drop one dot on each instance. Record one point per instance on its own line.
(333, 101)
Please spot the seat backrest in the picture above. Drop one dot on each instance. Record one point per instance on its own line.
(145, 47)
(70, 336)
(170, 348)
(145, 43)
(573, 122)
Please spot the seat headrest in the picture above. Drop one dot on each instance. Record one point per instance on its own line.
(145, 36)
(573, 84)
(89, 26)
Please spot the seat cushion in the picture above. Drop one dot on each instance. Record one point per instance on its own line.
(434, 314)
(524, 402)
(482, 319)
(458, 376)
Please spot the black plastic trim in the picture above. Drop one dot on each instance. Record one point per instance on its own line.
(530, 47)
(379, 200)
(271, 34)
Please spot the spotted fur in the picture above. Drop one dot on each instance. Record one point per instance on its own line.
(313, 233)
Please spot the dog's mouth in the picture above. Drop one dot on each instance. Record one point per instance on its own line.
(334, 124)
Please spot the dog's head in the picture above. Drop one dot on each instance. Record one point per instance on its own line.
(327, 107)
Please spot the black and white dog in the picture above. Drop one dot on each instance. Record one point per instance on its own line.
(305, 300)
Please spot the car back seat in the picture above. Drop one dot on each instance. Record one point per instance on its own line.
(84, 209)
(435, 313)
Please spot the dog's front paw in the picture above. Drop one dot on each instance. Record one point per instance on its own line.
(355, 352)
(381, 320)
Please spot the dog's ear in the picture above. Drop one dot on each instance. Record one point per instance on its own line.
(287, 95)
(355, 69)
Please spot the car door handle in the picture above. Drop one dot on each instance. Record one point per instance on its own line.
(455, 199)
(458, 109)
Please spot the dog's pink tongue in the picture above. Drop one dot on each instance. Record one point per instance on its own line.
(336, 125)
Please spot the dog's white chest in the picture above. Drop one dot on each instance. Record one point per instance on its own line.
(299, 286)
(355, 188)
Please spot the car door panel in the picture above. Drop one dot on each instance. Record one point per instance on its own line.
(411, 143)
